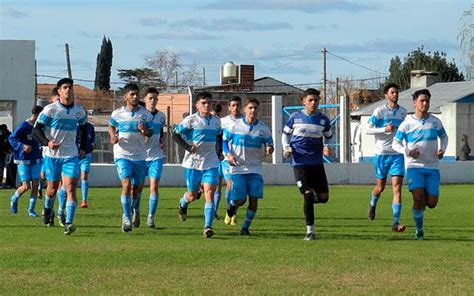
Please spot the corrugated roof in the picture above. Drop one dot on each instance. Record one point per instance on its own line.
(441, 94)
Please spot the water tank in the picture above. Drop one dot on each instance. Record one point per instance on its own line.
(229, 70)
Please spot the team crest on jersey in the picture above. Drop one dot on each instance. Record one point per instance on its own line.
(435, 125)
(78, 115)
(298, 120)
(303, 130)
(143, 117)
(322, 121)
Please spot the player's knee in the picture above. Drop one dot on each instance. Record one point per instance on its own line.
(309, 196)
(431, 203)
(323, 197)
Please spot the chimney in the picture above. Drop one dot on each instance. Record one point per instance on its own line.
(247, 76)
(423, 79)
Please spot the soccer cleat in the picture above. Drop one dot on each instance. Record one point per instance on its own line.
(309, 236)
(244, 232)
(371, 214)
(216, 217)
(419, 235)
(14, 207)
(227, 219)
(398, 227)
(182, 213)
(208, 233)
(150, 222)
(69, 228)
(126, 226)
(84, 204)
(233, 220)
(62, 219)
(46, 216)
(51, 219)
(136, 219)
(32, 214)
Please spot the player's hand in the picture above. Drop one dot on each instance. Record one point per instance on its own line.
(389, 128)
(327, 151)
(27, 148)
(231, 159)
(194, 148)
(141, 127)
(114, 139)
(287, 152)
(82, 154)
(415, 153)
(52, 145)
(220, 156)
(269, 150)
(440, 153)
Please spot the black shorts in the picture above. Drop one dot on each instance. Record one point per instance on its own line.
(311, 177)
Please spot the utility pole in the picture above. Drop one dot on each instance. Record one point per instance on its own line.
(203, 76)
(324, 75)
(176, 80)
(68, 61)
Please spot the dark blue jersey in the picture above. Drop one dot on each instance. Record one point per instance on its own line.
(20, 137)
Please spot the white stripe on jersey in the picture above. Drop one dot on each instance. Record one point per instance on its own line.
(381, 117)
(154, 150)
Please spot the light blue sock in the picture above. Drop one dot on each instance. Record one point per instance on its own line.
(48, 202)
(209, 212)
(373, 200)
(153, 204)
(32, 204)
(227, 198)
(396, 209)
(217, 199)
(15, 197)
(136, 202)
(126, 206)
(70, 211)
(249, 215)
(418, 216)
(183, 201)
(84, 189)
(61, 200)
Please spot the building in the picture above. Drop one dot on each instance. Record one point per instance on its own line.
(452, 102)
(17, 81)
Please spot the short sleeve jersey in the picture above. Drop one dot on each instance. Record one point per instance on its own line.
(154, 150)
(307, 133)
(61, 123)
(201, 132)
(422, 134)
(131, 144)
(381, 117)
(246, 142)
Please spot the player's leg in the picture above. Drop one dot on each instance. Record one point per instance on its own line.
(139, 172)
(381, 171)
(254, 184)
(397, 171)
(35, 174)
(416, 183)
(155, 170)
(209, 180)
(85, 167)
(124, 171)
(25, 178)
(52, 169)
(432, 187)
(319, 183)
(62, 199)
(70, 176)
(193, 183)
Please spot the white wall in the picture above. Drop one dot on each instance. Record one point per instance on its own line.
(105, 175)
(17, 76)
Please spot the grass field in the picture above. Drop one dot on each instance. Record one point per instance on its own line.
(350, 256)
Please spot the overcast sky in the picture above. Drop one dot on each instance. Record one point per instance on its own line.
(283, 39)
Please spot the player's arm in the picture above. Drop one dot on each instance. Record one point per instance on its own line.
(397, 144)
(374, 121)
(268, 141)
(226, 138)
(16, 142)
(112, 129)
(328, 138)
(83, 140)
(286, 138)
(176, 136)
(219, 146)
(443, 141)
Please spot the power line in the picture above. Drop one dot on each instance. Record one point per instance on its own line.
(356, 64)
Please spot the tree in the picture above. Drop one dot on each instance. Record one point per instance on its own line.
(104, 66)
(166, 64)
(419, 60)
(466, 40)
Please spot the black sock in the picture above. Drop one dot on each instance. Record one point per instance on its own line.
(309, 208)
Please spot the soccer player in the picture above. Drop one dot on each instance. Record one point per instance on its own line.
(154, 159)
(129, 127)
(383, 125)
(247, 136)
(216, 111)
(85, 164)
(27, 156)
(303, 139)
(200, 135)
(417, 138)
(57, 128)
(235, 107)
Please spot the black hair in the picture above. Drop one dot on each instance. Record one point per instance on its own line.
(203, 96)
(64, 81)
(130, 87)
(310, 92)
(54, 91)
(151, 90)
(252, 100)
(36, 110)
(235, 99)
(420, 92)
(389, 86)
(217, 108)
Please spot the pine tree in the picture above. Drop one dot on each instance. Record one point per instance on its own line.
(104, 66)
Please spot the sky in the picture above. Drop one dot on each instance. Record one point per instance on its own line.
(282, 38)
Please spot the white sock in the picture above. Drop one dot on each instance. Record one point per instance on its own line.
(309, 228)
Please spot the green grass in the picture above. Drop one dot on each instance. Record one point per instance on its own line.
(350, 256)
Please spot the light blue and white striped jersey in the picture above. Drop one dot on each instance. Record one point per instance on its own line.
(422, 134)
(380, 118)
(61, 124)
(154, 150)
(201, 132)
(228, 121)
(131, 144)
(246, 142)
